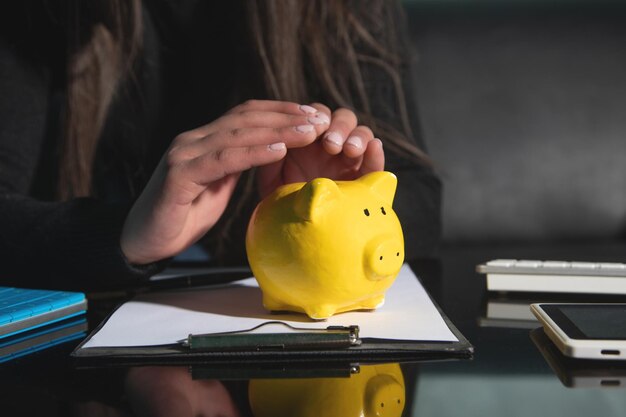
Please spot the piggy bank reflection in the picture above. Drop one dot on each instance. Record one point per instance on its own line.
(326, 247)
(376, 391)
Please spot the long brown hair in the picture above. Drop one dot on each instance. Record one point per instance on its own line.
(308, 50)
(103, 38)
(328, 43)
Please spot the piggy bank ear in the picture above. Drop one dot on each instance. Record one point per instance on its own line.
(315, 197)
(382, 183)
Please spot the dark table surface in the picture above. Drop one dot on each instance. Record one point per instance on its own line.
(515, 370)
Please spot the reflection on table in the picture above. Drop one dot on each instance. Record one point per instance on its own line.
(369, 390)
(508, 375)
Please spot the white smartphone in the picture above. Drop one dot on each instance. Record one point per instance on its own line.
(585, 330)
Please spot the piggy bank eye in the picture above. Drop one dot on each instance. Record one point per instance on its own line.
(382, 209)
(367, 212)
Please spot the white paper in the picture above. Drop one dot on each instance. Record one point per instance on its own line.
(170, 316)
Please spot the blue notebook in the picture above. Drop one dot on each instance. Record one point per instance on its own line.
(31, 320)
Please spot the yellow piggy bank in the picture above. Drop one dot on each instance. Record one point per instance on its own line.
(326, 247)
(376, 391)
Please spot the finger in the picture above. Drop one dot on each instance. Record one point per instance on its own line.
(266, 113)
(343, 121)
(357, 141)
(315, 111)
(287, 107)
(319, 107)
(321, 118)
(373, 158)
(292, 136)
(252, 119)
(269, 119)
(214, 166)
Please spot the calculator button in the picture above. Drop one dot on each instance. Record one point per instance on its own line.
(612, 266)
(555, 264)
(502, 262)
(528, 264)
(584, 265)
(20, 313)
(5, 317)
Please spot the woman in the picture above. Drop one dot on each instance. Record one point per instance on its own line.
(128, 131)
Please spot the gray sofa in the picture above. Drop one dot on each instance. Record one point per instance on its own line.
(523, 108)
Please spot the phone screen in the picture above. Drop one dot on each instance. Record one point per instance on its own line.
(590, 321)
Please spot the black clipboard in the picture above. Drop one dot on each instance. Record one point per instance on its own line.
(359, 349)
(368, 351)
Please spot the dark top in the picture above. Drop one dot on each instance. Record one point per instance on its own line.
(186, 76)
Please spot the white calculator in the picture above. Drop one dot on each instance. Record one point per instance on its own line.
(554, 276)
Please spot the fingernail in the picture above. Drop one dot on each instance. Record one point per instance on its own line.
(308, 109)
(280, 146)
(305, 128)
(355, 141)
(334, 138)
(319, 119)
(380, 141)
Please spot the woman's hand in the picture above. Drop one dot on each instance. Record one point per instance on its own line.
(191, 186)
(344, 152)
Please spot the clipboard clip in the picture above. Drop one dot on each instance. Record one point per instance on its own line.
(295, 338)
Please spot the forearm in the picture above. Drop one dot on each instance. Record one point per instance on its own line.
(71, 245)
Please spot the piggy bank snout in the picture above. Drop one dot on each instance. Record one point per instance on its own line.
(384, 256)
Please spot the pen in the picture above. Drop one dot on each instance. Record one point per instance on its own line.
(188, 278)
